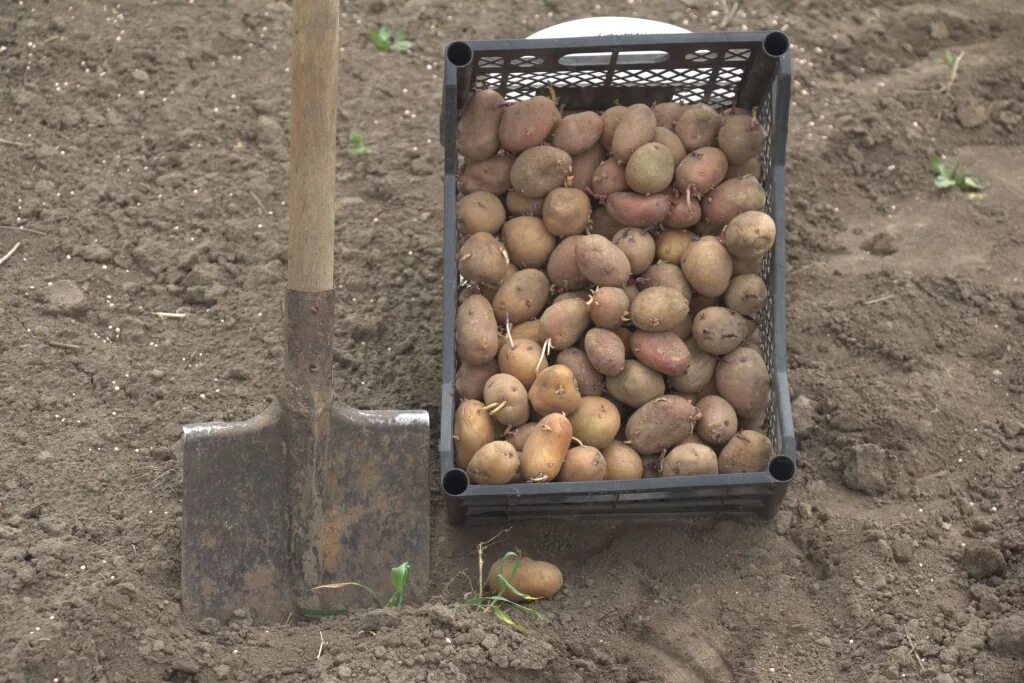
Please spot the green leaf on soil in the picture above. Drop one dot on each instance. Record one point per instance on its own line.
(356, 148)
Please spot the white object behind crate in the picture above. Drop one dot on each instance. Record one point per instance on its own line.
(609, 26)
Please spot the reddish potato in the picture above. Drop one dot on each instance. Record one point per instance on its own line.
(490, 175)
(527, 124)
(684, 211)
(517, 436)
(477, 135)
(588, 379)
(732, 198)
(636, 210)
(661, 351)
(576, 133)
(602, 223)
(660, 424)
(584, 166)
(609, 177)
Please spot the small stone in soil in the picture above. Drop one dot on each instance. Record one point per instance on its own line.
(865, 471)
(880, 244)
(981, 560)
(66, 298)
(805, 415)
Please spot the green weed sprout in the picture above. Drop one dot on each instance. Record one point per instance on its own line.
(399, 582)
(385, 41)
(356, 148)
(951, 176)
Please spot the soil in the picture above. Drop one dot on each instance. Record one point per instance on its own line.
(144, 145)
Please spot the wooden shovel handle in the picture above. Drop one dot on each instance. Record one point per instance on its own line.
(313, 128)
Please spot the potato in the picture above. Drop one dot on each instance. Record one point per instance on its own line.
(476, 331)
(756, 422)
(637, 210)
(523, 361)
(701, 170)
(583, 463)
(566, 211)
(601, 262)
(719, 330)
(683, 329)
(671, 245)
(751, 167)
(747, 294)
(539, 170)
(732, 198)
(555, 391)
(576, 133)
(595, 422)
(608, 306)
(588, 379)
(660, 423)
(689, 459)
(631, 291)
(749, 235)
(622, 462)
(656, 309)
(602, 223)
(718, 421)
(610, 118)
(699, 372)
(709, 389)
(635, 385)
(748, 451)
(667, 113)
(477, 135)
(489, 175)
(666, 137)
(509, 393)
(482, 259)
(650, 168)
(473, 428)
(564, 322)
(530, 577)
(636, 128)
(661, 351)
(605, 351)
(527, 124)
(528, 330)
(742, 379)
(665, 275)
(578, 294)
(546, 447)
(517, 436)
(527, 241)
(697, 125)
(521, 205)
(470, 379)
(747, 266)
(563, 271)
(626, 335)
(753, 339)
(608, 178)
(521, 296)
(480, 212)
(495, 463)
(638, 246)
(741, 138)
(707, 267)
(683, 210)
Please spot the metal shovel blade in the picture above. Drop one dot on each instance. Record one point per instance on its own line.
(241, 528)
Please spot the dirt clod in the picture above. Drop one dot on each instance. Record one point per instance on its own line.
(865, 471)
(1006, 635)
(981, 560)
(66, 298)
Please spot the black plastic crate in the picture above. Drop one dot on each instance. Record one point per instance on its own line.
(749, 69)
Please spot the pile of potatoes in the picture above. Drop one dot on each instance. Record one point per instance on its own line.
(611, 266)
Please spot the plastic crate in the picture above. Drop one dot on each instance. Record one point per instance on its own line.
(749, 69)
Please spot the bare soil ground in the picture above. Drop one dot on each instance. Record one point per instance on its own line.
(144, 144)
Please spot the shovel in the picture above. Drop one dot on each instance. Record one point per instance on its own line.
(308, 492)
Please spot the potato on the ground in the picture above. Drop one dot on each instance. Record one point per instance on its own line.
(689, 459)
(661, 351)
(661, 423)
(477, 135)
(602, 262)
(732, 198)
(474, 427)
(707, 267)
(521, 358)
(480, 212)
(481, 259)
(638, 246)
(489, 175)
(718, 421)
(747, 294)
(635, 128)
(608, 306)
(657, 309)
(719, 330)
(555, 391)
(622, 462)
(565, 321)
(698, 373)
(665, 136)
(521, 296)
(539, 170)
(509, 399)
(605, 350)
(517, 436)
(742, 379)
(495, 463)
(596, 421)
(701, 170)
(563, 270)
(637, 210)
(588, 379)
(671, 245)
(698, 125)
(566, 211)
(546, 448)
(476, 331)
(741, 139)
(583, 463)
(665, 275)
(470, 379)
(527, 241)
(749, 235)
(576, 133)
(636, 384)
(748, 451)
(527, 124)
(532, 578)
(650, 168)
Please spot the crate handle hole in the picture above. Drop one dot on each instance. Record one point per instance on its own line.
(455, 482)
(459, 54)
(782, 468)
(776, 44)
(605, 58)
